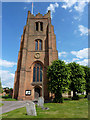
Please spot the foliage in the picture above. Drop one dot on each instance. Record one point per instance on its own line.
(8, 90)
(7, 96)
(81, 96)
(87, 78)
(58, 76)
(77, 79)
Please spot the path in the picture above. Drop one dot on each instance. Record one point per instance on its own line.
(11, 105)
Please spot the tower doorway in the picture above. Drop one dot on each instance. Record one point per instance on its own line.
(37, 92)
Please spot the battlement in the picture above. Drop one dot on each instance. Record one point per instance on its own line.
(47, 15)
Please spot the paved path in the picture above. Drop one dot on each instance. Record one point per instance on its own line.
(11, 105)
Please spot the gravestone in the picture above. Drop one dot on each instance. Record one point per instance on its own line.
(41, 102)
(30, 107)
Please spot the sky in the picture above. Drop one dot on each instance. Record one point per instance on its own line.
(70, 21)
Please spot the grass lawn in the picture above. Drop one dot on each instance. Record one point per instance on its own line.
(69, 109)
(9, 99)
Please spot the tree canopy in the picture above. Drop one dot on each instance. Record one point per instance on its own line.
(58, 75)
(77, 78)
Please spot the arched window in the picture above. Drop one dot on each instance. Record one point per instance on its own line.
(37, 73)
(38, 44)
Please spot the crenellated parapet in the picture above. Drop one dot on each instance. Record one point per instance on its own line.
(47, 15)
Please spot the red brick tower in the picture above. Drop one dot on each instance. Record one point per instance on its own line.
(37, 51)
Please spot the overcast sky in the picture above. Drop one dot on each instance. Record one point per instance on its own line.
(70, 21)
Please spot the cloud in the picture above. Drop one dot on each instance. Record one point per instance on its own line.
(80, 7)
(25, 8)
(83, 30)
(7, 78)
(68, 3)
(75, 59)
(81, 53)
(52, 8)
(28, 1)
(77, 18)
(81, 57)
(70, 10)
(66, 61)
(64, 54)
(89, 62)
(6, 63)
(83, 62)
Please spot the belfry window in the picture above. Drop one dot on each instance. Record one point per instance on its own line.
(36, 26)
(38, 44)
(37, 73)
(41, 26)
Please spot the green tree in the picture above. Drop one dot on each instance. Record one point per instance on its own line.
(77, 78)
(58, 76)
(0, 86)
(87, 78)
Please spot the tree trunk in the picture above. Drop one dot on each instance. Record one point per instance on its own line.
(58, 96)
(74, 93)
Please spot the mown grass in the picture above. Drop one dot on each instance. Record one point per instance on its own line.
(9, 99)
(68, 109)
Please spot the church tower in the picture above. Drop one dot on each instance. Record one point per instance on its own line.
(37, 51)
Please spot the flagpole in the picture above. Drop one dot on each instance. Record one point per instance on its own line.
(32, 7)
